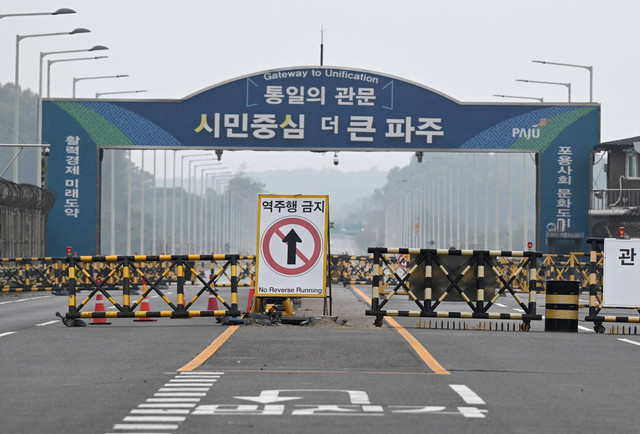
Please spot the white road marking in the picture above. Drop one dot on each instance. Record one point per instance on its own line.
(26, 299)
(173, 400)
(472, 412)
(47, 323)
(184, 380)
(160, 411)
(169, 405)
(143, 426)
(518, 310)
(184, 389)
(585, 329)
(468, 395)
(159, 395)
(154, 419)
(501, 305)
(629, 341)
(7, 334)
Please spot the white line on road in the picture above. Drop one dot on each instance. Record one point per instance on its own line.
(154, 419)
(173, 400)
(47, 323)
(142, 426)
(629, 341)
(6, 334)
(26, 299)
(160, 411)
(585, 329)
(468, 395)
(501, 305)
(184, 389)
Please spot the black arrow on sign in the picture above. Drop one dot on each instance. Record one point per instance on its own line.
(291, 240)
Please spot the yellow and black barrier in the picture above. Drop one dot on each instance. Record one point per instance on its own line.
(125, 267)
(595, 292)
(477, 260)
(354, 270)
(562, 302)
(31, 274)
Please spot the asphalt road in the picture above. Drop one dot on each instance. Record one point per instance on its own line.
(194, 375)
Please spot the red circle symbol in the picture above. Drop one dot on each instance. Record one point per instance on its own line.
(621, 231)
(307, 262)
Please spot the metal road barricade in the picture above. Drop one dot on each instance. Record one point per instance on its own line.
(596, 259)
(31, 274)
(351, 270)
(246, 272)
(477, 260)
(120, 274)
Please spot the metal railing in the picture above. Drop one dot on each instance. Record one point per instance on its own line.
(617, 198)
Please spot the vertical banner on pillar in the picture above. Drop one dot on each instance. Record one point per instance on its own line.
(291, 254)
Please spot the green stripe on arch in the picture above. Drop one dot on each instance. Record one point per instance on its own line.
(553, 129)
(99, 129)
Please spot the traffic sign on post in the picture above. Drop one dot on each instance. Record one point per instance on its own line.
(291, 255)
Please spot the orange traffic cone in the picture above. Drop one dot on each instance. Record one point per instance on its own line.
(252, 293)
(213, 302)
(144, 306)
(99, 308)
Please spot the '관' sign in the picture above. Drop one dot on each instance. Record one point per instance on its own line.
(291, 255)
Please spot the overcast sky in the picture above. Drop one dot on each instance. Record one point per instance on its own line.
(467, 49)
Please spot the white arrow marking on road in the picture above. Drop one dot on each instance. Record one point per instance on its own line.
(271, 396)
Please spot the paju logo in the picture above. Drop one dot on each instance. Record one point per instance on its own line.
(530, 133)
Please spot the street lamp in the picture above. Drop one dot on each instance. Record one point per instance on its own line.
(77, 79)
(191, 229)
(99, 94)
(567, 85)
(16, 102)
(588, 68)
(521, 97)
(182, 157)
(42, 55)
(62, 11)
(204, 214)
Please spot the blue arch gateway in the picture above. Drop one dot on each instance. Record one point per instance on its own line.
(319, 109)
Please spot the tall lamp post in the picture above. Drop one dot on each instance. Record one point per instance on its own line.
(49, 63)
(77, 79)
(16, 102)
(567, 85)
(571, 65)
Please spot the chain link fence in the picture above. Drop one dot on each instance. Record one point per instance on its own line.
(23, 219)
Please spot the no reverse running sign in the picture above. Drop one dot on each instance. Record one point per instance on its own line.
(292, 245)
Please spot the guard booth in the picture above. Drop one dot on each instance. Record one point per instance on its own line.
(564, 243)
